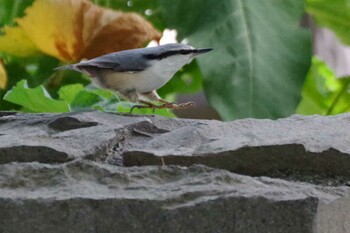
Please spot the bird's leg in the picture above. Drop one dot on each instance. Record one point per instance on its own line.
(147, 105)
(153, 95)
(133, 96)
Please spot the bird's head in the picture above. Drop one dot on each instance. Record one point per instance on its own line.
(182, 51)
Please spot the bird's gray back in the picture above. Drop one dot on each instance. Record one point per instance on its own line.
(124, 61)
(134, 60)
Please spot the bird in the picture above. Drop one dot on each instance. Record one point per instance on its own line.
(137, 74)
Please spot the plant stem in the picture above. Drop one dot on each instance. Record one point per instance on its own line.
(337, 98)
(14, 10)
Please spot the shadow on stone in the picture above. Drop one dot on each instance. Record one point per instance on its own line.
(69, 123)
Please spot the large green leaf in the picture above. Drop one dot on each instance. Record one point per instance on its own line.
(10, 9)
(187, 80)
(334, 14)
(35, 99)
(323, 93)
(261, 54)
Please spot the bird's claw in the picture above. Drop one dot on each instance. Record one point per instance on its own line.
(166, 105)
(177, 106)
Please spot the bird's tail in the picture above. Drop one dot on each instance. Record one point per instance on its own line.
(68, 67)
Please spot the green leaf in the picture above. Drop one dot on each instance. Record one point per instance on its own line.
(43, 66)
(261, 54)
(85, 100)
(334, 14)
(187, 80)
(16, 71)
(109, 105)
(10, 9)
(105, 93)
(35, 99)
(69, 92)
(110, 100)
(80, 98)
(323, 93)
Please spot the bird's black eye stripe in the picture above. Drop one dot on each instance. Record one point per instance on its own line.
(167, 54)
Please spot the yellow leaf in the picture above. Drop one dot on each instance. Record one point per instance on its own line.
(3, 76)
(15, 42)
(74, 29)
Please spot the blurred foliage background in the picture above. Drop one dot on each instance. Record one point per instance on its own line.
(261, 66)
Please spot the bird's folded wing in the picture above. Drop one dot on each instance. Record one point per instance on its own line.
(116, 63)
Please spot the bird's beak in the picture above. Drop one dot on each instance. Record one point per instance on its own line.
(201, 51)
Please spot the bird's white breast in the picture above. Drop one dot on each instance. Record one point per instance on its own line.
(155, 76)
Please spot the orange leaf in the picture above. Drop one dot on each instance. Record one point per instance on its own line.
(74, 29)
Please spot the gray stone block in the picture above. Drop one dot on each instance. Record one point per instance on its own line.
(85, 196)
(98, 172)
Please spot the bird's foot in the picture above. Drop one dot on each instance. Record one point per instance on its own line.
(177, 106)
(167, 105)
(143, 106)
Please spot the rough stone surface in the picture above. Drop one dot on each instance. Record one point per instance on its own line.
(76, 173)
(313, 145)
(59, 138)
(83, 196)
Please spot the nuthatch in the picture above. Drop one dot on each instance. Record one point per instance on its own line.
(136, 74)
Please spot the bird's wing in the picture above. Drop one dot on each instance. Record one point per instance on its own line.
(116, 62)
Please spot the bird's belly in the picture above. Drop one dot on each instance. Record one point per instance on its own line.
(143, 81)
(154, 77)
